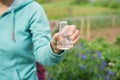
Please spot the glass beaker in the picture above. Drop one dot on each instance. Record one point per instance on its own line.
(64, 41)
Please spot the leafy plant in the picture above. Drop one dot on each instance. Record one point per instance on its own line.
(114, 5)
(88, 61)
(80, 1)
(118, 41)
(43, 1)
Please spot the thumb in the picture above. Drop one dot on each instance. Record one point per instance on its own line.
(55, 38)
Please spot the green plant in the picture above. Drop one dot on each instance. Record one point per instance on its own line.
(96, 60)
(43, 1)
(114, 5)
(117, 42)
(80, 1)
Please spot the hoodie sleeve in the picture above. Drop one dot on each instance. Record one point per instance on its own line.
(41, 37)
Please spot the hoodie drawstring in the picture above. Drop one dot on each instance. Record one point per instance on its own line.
(13, 26)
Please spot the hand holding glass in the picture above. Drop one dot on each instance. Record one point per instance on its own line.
(64, 41)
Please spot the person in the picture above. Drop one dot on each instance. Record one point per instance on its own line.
(41, 72)
(25, 39)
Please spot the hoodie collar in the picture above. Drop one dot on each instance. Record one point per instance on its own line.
(18, 4)
(15, 3)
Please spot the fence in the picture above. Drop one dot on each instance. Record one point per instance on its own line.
(89, 24)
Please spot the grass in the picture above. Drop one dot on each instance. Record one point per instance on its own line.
(65, 8)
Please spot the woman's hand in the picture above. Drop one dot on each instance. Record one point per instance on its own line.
(74, 35)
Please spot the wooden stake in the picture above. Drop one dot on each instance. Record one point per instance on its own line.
(82, 28)
(88, 28)
(113, 21)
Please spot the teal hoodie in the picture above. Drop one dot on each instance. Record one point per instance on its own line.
(24, 39)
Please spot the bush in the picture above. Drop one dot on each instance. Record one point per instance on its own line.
(103, 4)
(43, 1)
(114, 5)
(79, 1)
(108, 4)
(88, 61)
(117, 42)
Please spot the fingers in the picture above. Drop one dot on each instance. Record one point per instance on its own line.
(76, 41)
(72, 29)
(75, 34)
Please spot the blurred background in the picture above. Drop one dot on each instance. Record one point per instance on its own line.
(97, 56)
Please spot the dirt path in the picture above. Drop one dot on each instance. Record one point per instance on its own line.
(109, 34)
